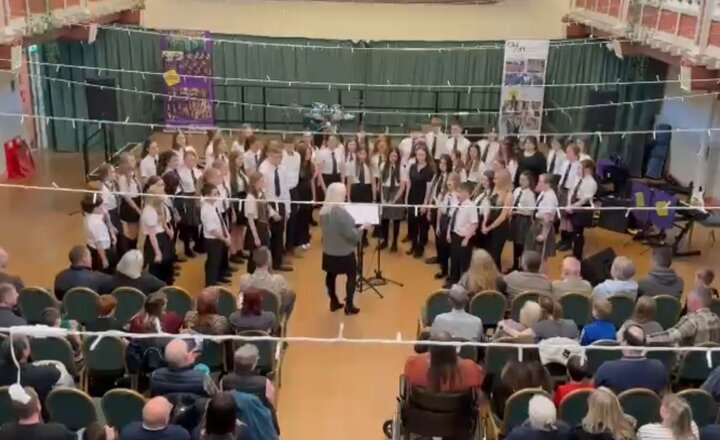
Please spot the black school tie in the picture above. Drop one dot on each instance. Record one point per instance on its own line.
(222, 221)
(485, 153)
(361, 175)
(257, 160)
(277, 182)
(537, 203)
(551, 169)
(434, 145)
(453, 219)
(576, 190)
(567, 173)
(455, 145)
(516, 203)
(334, 163)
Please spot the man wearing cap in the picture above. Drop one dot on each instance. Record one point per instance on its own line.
(458, 322)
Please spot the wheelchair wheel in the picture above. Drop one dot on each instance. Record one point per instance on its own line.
(387, 428)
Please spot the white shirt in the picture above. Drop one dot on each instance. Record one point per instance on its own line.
(405, 147)
(402, 175)
(291, 163)
(559, 157)
(547, 203)
(488, 150)
(150, 221)
(224, 190)
(465, 215)
(349, 164)
(462, 146)
(129, 186)
(448, 201)
(586, 190)
(148, 166)
(251, 161)
(268, 170)
(377, 162)
(512, 167)
(240, 182)
(572, 174)
(584, 156)
(96, 231)
(526, 203)
(324, 160)
(655, 431)
(353, 174)
(211, 219)
(110, 200)
(188, 178)
(251, 206)
(473, 175)
(237, 146)
(439, 145)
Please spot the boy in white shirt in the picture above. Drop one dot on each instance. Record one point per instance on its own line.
(541, 236)
(463, 223)
(216, 235)
(100, 238)
(435, 138)
(456, 141)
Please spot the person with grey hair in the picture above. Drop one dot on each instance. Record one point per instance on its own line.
(528, 277)
(263, 278)
(542, 423)
(571, 279)
(129, 273)
(29, 422)
(458, 322)
(246, 378)
(180, 375)
(621, 284)
(42, 378)
(699, 325)
(5, 277)
(9, 315)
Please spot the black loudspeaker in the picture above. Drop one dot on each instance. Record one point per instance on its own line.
(596, 268)
(601, 118)
(101, 99)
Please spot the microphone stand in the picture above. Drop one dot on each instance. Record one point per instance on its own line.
(378, 279)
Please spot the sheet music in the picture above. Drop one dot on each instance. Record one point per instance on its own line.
(364, 213)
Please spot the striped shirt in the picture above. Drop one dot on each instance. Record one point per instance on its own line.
(656, 431)
(692, 329)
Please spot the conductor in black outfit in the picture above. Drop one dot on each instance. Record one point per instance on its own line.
(531, 160)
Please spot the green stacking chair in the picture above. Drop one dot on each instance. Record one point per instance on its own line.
(622, 309)
(80, 304)
(693, 368)
(668, 311)
(122, 407)
(596, 357)
(107, 358)
(33, 300)
(435, 304)
(179, 300)
(270, 354)
(519, 301)
(576, 307)
(130, 302)
(54, 348)
(642, 404)
(489, 306)
(703, 405)
(71, 407)
(6, 414)
(227, 301)
(574, 407)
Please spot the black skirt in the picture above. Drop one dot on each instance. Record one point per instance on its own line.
(127, 213)
(345, 264)
(263, 233)
(115, 219)
(188, 210)
(165, 245)
(239, 207)
(361, 193)
(519, 227)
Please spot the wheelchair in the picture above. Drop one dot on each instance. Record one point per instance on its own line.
(428, 414)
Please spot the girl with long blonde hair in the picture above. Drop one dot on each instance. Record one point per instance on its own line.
(130, 202)
(605, 418)
(158, 248)
(677, 422)
(496, 224)
(482, 274)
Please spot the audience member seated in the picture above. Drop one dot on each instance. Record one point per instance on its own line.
(482, 274)
(704, 278)
(605, 419)
(5, 277)
(129, 273)
(662, 279)
(542, 423)
(180, 375)
(530, 313)
(643, 316)
(551, 324)
(633, 370)
(677, 422)
(263, 279)
(29, 424)
(576, 379)
(601, 327)
(516, 376)
(105, 320)
(42, 378)
(528, 278)
(571, 281)
(458, 322)
(51, 317)
(621, 284)
(9, 314)
(699, 325)
(155, 423)
(154, 318)
(80, 274)
(98, 431)
(710, 432)
(245, 378)
(251, 316)
(221, 421)
(441, 370)
(712, 384)
(205, 318)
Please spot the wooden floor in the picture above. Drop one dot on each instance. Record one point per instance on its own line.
(328, 391)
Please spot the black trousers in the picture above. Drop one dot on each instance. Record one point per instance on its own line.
(578, 241)
(496, 243)
(385, 230)
(277, 243)
(97, 263)
(217, 253)
(518, 249)
(443, 246)
(291, 227)
(417, 229)
(459, 257)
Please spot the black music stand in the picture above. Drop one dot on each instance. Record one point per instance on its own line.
(378, 279)
(363, 283)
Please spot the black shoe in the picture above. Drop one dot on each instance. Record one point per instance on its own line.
(447, 284)
(232, 269)
(199, 250)
(284, 268)
(440, 275)
(418, 254)
(405, 239)
(382, 245)
(224, 280)
(237, 259)
(181, 259)
(564, 246)
(189, 253)
(431, 260)
(394, 248)
(334, 306)
(313, 223)
(351, 310)
(365, 243)
(410, 251)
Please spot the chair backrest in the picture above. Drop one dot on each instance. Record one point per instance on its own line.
(105, 357)
(266, 349)
(122, 407)
(622, 309)
(519, 301)
(54, 348)
(443, 415)
(213, 355)
(667, 357)
(574, 407)
(694, 367)
(435, 304)
(715, 306)
(179, 300)
(32, 301)
(516, 408)
(489, 306)
(642, 404)
(703, 405)
(130, 301)
(468, 352)
(71, 407)
(6, 415)
(668, 310)
(227, 301)
(496, 357)
(576, 307)
(80, 304)
(595, 357)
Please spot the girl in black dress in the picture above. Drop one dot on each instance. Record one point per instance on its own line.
(531, 160)
(130, 202)
(306, 193)
(420, 175)
(238, 190)
(438, 188)
(393, 184)
(496, 225)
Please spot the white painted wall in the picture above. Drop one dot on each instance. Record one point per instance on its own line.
(700, 112)
(348, 20)
(9, 103)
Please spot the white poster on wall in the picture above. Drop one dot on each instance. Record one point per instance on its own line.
(523, 91)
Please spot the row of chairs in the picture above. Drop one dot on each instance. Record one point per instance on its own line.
(79, 303)
(490, 306)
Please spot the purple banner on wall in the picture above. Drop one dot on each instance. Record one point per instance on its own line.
(188, 56)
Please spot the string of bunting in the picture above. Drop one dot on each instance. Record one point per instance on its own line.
(301, 108)
(351, 85)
